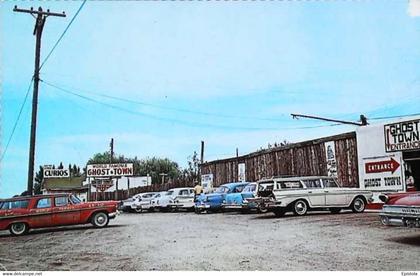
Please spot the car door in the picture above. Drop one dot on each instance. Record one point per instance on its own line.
(334, 195)
(41, 213)
(64, 212)
(314, 192)
(186, 197)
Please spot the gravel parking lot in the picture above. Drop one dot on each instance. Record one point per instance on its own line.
(219, 241)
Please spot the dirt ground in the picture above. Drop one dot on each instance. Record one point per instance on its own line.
(220, 241)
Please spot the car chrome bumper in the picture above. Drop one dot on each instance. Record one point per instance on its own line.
(393, 219)
(113, 215)
(179, 205)
(202, 206)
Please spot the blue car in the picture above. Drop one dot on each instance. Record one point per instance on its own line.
(214, 201)
(239, 200)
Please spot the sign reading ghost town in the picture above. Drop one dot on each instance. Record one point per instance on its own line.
(109, 170)
(402, 136)
(50, 172)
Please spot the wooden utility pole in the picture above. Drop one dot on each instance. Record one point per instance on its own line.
(41, 16)
(202, 153)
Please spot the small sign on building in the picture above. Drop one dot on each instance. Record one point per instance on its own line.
(50, 172)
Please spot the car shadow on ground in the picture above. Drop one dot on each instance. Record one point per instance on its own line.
(270, 215)
(6, 234)
(410, 240)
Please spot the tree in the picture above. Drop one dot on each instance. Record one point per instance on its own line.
(39, 177)
(190, 174)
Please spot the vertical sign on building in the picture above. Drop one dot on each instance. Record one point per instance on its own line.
(207, 182)
(241, 172)
(331, 159)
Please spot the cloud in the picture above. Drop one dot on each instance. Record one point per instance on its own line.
(414, 8)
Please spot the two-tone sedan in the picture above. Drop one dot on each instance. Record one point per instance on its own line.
(301, 194)
(401, 209)
(239, 200)
(214, 201)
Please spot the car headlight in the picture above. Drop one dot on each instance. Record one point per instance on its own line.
(171, 201)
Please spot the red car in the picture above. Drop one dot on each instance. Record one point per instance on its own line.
(401, 209)
(19, 214)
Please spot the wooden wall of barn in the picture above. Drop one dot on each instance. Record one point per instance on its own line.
(300, 159)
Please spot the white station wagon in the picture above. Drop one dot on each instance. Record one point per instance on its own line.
(300, 194)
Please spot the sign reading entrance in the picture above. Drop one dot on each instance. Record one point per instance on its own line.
(382, 166)
(50, 172)
(109, 170)
(402, 136)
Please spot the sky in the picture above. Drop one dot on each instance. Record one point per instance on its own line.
(161, 76)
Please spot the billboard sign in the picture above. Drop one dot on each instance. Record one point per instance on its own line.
(207, 181)
(241, 172)
(110, 170)
(50, 172)
(331, 159)
(402, 136)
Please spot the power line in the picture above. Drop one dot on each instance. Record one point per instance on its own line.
(394, 116)
(178, 109)
(171, 119)
(17, 120)
(62, 35)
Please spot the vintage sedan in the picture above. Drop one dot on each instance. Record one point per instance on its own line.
(301, 194)
(19, 214)
(213, 201)
(177, 198)
(239, 200)
(401, 209)
(138, 203)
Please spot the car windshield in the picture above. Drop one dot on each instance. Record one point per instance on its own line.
(75, 200)
(169, 193)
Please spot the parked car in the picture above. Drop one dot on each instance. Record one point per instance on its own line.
(239, 200)
(213, 201)
(142, 202)
(177, 198)
(137, 203)
(19, 214)
(401, 209)
(156, 198)
(300, 194)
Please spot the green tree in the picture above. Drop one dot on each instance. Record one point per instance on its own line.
(39, 177)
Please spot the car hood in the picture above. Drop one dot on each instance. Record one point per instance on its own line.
(408, 199)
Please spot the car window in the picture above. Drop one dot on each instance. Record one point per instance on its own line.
(147, 195)
(312, 183)
(290, 185)
(184, 192)
(61, 201)
(169, 192)
(249, 188)
(158, 195)
(329, 183)
(44, 203)
(238, 189)
(266, 186)
(222, 190)
(17, 204)
(74, 199)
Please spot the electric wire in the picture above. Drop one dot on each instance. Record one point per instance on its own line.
(173, 108)
(17, 120)
(175, 120)
(62, 35)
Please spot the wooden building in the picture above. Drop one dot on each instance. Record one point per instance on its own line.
(298, 159)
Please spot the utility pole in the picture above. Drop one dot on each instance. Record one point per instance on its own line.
(41, 16)
(163, 177)
(363, 119)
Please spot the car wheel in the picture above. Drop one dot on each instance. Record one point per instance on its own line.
(18, 228)
(335, 210)
(300, 207)
(138, 210)
(262, 209)
(100, 220)
(358, 205)
(385, 220)
(279, 212)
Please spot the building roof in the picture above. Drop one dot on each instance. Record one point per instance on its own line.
(69, 183)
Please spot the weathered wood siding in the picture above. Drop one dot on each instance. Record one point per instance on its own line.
(300, 159)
